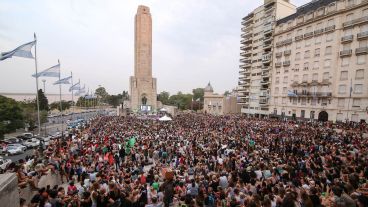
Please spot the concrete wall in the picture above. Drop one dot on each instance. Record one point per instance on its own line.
(9, 195)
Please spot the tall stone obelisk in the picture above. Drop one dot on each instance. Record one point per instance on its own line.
(143, 94)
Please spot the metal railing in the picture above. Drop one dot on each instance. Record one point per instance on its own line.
(347, 38)
(346, 52)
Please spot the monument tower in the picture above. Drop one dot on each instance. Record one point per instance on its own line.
(143, 94)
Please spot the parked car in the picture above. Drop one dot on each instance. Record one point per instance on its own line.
(4, 163)
(14, 150)
(25, 136)
(31, 143)
(24, 148)
(13, 140)
(45, 140)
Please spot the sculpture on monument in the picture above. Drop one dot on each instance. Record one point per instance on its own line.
(143, 93)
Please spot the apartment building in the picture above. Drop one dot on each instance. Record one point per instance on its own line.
(256, 55)
(320, 68)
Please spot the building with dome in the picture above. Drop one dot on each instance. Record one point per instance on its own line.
(217, 104)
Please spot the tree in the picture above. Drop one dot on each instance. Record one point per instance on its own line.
(198, 93)
(163, 97)
(65, 105)
(227, 93)
(182, 101)
(125, 95)
(102, 94)
(11, 117)
(83, 102)
(115, 100)
(43, 101)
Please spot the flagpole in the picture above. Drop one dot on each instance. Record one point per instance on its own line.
(38, 104)
(350, 90)
(61, 107)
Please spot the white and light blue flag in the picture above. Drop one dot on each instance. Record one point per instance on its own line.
(291, 93)
(63, 81)
(21, 51)
(75, 87)
(54, 71)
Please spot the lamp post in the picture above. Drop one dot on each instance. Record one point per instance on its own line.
(44, 92)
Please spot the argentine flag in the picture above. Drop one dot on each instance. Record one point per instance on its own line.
(63, 81)
(54, 71)
(21, 51)
(291, 93)
(75, 87)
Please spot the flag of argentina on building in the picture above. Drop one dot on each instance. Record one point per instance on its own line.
(54, 71)
(21, 51)
(63, 81)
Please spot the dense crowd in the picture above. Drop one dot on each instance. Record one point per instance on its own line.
(203, 160)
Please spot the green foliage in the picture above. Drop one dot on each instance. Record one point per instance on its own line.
(115, 100)
(163, 97)
(182, 101)
(11, 117)
(65, 105)
(226, 93)
(102, 94)
(42, 99)
(198, 93)
(82, 102)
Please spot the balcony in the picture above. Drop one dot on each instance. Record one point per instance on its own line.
(279, 44)
(361, 50)
(265, 74)
(287, 52)
(286, 63)
(277, 65)
(306, 93)
(278, 54)
(330, 28)
(263, 101)
(355, 21)
(346, 53)
(288, 41)
(266, 58)
(362, 35)
(308, 35)
(299, 37)
(318, 31)
(347, 38)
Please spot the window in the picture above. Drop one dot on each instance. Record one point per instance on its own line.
(355, 117)
(346, 47)
(298, 45)
(342, 89)
(314, 102)
(361, 59)
(356, 102)
(307, 54)
(350, 3)
(288, 36)
(359, 74)
(297, 56)
(308, 42)
(326, 76)
(329, 37)
(285, 79)
(345, 61)
(284, 90)
(348, 32)
(304, 102)
(316, 65)
(363, 43)
(297, 67)
(327, 63)
(364, 27)
(277, 80)
(318, 40)
(302, 113)
(283, 100)
(294, 101)
(305, 78)
(344, 75)
(309, 29)
(349, 17)
(306, 66)
(328, 50)
(339, 117)
(276, 100)
(315, 77)
(358, 88)
(299, 32)
(365, 12)
(277, 90)
(319, 25)
(317, 52)
(331, 22)
(296, 78)
(341, 102)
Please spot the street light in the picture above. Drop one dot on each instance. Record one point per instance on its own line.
(44, 92)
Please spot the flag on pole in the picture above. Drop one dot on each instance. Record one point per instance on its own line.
(75, 87)
(21, 51)
(291, 93)
(63, 81)
(54, 71)
(351, 87)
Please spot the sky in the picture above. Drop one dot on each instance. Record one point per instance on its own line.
(194, 42)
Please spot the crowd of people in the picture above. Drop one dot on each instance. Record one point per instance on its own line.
(202, 160)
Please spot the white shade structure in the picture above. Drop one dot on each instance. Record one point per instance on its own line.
(163, 110)
(165, 118)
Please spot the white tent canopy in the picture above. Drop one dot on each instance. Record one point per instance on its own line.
(163, 109)
(165, 118)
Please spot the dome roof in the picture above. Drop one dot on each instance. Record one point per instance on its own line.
(208, 88)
